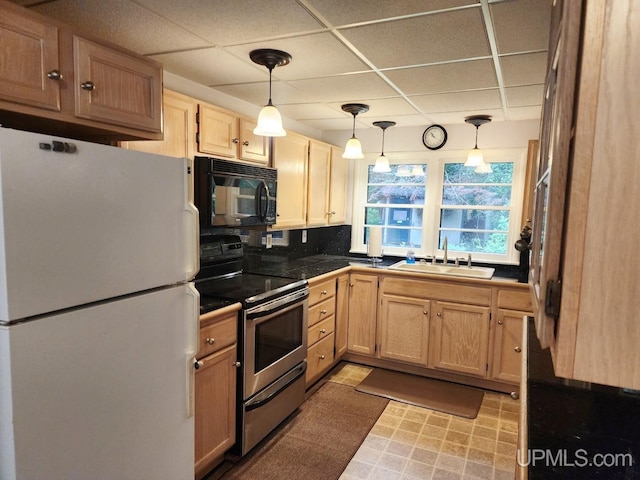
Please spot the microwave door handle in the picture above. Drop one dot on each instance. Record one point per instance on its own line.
(262, 206)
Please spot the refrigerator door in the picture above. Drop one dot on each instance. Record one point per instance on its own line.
(88, 224)
(101, 392)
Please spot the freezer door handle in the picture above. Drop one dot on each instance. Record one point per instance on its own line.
(191, 355)
(191, 223)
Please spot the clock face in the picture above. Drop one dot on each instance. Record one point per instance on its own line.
(434, 137)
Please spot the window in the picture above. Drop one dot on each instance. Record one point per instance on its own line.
(426, 198)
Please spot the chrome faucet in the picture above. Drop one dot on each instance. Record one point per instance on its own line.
(445, 244)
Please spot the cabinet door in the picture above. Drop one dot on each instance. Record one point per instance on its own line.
(179, 118)
(290, 157)
(404, 329)
(507, 346)
(338, 181)
(342, 314)
(253, 148)
(361, 334)
(319, 161)
(459, 338)
(215, 400)
(34, 54)
(117, 88)
(217, 132)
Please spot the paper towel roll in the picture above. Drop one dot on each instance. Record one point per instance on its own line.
(375, 242)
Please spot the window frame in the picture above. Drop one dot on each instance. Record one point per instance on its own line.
(434, 164)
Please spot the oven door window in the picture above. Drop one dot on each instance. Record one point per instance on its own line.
(277, 337)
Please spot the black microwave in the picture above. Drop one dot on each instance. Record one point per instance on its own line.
(233, 194)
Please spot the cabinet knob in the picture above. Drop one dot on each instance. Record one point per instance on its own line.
(514, 395)
(351, 284)
(89, 86)
(323, 331)
(54, 75)
(323, 292)
(439, 314)
(425, 312)
(235, 140)
(323, 312)
(236, 364)
(245, 143)
(198, 364)
(499, 322)
(517, 349)
(321, 357)
(211, 341)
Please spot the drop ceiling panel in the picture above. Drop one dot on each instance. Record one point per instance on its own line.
(521, 26)
(448, 77)
(524, 96)
(124, 23)
(312, 56)
(526, 69)
(480, 100)
(227, 22)
(341, 12)
(386, 106)
(422, 40)
(344, 88)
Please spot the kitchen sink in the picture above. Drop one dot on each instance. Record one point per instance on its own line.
(440, 269)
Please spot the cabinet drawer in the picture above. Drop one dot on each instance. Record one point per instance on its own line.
(217, 335)
(515, 300)
(322, 310)
(319, 358)
(322, 291)
(321, 330)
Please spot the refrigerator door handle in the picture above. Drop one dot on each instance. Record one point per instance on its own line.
(193, 348)
(192, 223)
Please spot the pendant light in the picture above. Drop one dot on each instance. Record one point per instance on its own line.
(269, 119)
(353, 149)
(475, 157)
(484, 167)
(382, 163)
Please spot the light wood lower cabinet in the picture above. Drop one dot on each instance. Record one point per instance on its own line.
(342, 314)
(460, 338)
(404, 329)
(508, 349)
(215, 390)
(363, 306)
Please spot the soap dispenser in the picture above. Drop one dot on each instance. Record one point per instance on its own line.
(411, 257)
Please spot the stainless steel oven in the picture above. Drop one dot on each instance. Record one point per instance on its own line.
(272, 343)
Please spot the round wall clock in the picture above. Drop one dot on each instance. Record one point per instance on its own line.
(434, 137)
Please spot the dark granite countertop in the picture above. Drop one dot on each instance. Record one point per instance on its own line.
(578, 430)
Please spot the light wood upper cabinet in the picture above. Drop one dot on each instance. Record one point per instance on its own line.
(114, 87)
(179, 112)
(459, 338)
(222, 133)
(338, 180)
(290, 158)
(363, 303)
(587, 213)
(318, 187)
(29, 79)
(55, 81)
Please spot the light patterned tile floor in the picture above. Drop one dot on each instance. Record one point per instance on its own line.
(413, 443)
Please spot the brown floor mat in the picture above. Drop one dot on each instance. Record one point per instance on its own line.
(424, 392)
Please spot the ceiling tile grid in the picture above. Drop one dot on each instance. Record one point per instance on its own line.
(412, 61)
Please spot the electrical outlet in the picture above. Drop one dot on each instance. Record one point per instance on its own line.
(304, 236)
(269, 240)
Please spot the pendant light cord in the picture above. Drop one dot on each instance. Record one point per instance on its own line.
(476, 147)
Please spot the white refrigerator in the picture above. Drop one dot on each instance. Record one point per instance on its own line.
(98, 319)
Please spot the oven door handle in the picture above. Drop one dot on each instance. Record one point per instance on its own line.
(276, 389)
(269, 310)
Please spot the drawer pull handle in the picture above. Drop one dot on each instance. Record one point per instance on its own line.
(321, 357)
(323, 331)
(517, 349)
(323, 311)
(211, 341)
(323, 292)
